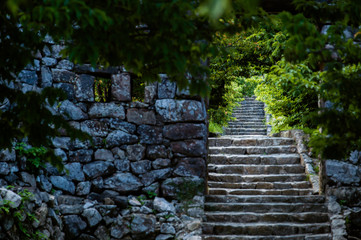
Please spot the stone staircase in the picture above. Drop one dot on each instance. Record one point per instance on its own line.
(258, 190)
(250, 119)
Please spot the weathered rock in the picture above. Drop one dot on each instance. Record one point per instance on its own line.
(118, 137)
(188, 167)
(121, 87)
(56, 51)
(15, 199)
(98, 168)
(140, 167)
(122, 165)
(29, 77)
(103, 154)
(118, 124)
(164, 237)
(161, 163)
(71, 209)
(28, 178)
(141, 116)
(123, 182)
(71, 111)
(63, 184)
(117, 231)
(7, 156)
(150, 92)
(171, 186)
(69, 200)
(45, 183)
(46, 77)
(181, 131)
(64, 76)
(157, 151)
(167, 228)
(166, 88)
(94, 128)
(193, 148)
(73, 226)
(342, 172)
(143, 224)
(180, 110)
(93, 216)
(355, 157)
(49, 61)
(65, 64)
(82, 155)
(152, 176)
(4, 168)
(118, 153)
(102, 233)
(84, 88)
(83, 188)
(86, 237)
(153, 188)
(107, 110)
(68, 88)
(135, 152)
(162, 205)
(150, 134)
(75, 171)
(61, 142)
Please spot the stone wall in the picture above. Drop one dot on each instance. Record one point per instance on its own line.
(143, 175)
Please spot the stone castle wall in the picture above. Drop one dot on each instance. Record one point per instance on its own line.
(143, 175)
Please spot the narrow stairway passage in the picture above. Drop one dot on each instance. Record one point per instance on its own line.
(257, 187)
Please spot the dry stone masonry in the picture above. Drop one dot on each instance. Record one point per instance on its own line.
(143, 175)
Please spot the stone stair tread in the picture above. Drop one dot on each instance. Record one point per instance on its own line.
(256, 177)
(260, 185)
(262, 237)
(231, 191)
(280, 199)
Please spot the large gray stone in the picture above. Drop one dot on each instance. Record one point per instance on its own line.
(150, 93)
(4, 168)
(141, 116)
(167, 228)
(140, 167)
(118, 124)
(103, 154)
(49, 61)
(152, 176)
(29, 77)
(107, 110)
(61, 142)
(162, 205)
(121, 87)
(118, 137)
(83, 188)
(63, 184)
(342, 172)
(84, 88)
(355, 156)
(73, 226)
(150, 134)
(135, 152)
(65, 64)
(94, 128)
(188, 167)
(46, 77)
(161, 163)
(192, 148)
(99, 168)
(45, 183)
(75, 171)
(93, 216)
(28, 178)
(181, 131)
(143, 224)
(81, 155)
(71, 111)
(7, 155)
(180, 110)
(56, 51)
(102, 233)
(166, 88)
(172, 187)
(64, 76)
(68, 88)
(123, 182)
(122, 165)
(157, 151)
(15, 199)
(117, 231)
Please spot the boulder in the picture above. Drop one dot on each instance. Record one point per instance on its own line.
(188, 167)
(192, 148)
(181, 131)
(141, 116)
(29, 77)
(61, 75)
(150, 134)
(82, 155)
(121, 87)
(94, 128)
(68, 88)
(157, 151)
(71, 112)
(166, 88)
(103, 154)
(162, 205)
(106, 110)
(93, 216)
(341, 172)
(63, 184)
(140, 167)
(75, 171)
(135, 152)
(123, 182)
(73, 226)
(98, 168)
(143, 224)
(180, 110)
(46, 77)
(118, 137)
(84, 88)
(152, 176)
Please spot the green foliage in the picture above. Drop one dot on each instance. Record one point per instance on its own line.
(102, 89)
(245, 56)
(23, 218)
(151, 194)
(290, 93)
(35, 156)
(215, 128)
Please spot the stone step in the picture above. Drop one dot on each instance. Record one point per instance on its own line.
(246, 134)
(223, 177)
(256, 168)
(260, 185)
(248, 114)
(246, 129)
(272, 159)
(268, 141)
(264, 228)
(230, 191)
(259, 237)
(243, 124)
(265, 207)
(256, 200)
(251, 217)
(253, 149)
